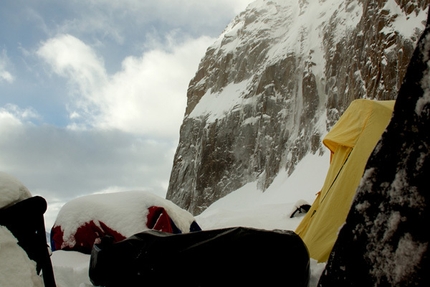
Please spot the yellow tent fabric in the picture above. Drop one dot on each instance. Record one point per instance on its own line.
(351, 141)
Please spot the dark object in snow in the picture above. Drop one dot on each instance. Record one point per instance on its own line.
(303, 208)
(385, 241)
(25, 221)
(224, 257)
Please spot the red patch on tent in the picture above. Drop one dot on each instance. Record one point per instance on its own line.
(158, 219)
(84, 238)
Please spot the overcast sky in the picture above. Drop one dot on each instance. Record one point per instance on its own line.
(92, 93)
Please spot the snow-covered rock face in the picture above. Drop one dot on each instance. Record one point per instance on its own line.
(277, 78)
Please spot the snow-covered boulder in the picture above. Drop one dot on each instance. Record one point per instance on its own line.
(85, 220)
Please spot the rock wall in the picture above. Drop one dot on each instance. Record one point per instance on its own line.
(276, 80)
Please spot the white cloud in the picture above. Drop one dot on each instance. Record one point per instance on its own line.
(70, 57)
(124, 21)
(7, 121)
(147, 96)
(12, 120)
(5, 75)
(97, 22)
(11, 114)
(167, 11)
(149, 93)
(61, 164)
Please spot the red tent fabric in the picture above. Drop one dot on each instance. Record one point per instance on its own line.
(158, 219)
(85, 237)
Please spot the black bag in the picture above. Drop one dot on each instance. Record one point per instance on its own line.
(25, 221)
(224, 257)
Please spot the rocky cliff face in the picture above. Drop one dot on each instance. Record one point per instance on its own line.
(276, 79)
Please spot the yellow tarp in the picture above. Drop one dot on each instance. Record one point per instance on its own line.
(351, 141)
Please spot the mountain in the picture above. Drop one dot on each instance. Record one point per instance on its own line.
(277, 78)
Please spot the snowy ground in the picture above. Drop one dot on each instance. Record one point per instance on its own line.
(244, 207)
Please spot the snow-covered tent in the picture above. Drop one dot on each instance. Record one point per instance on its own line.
(350, 141)
(85, 220)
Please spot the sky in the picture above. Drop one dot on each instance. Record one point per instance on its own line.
(93, 93)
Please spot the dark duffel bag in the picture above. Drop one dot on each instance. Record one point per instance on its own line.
(223, 257)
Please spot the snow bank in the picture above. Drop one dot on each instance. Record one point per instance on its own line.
(271, 209)
(71, 268)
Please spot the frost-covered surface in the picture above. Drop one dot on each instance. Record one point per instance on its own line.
(16, 269)
(124, 212)
(11, 190)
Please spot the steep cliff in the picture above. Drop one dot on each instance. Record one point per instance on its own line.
(277, 78)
